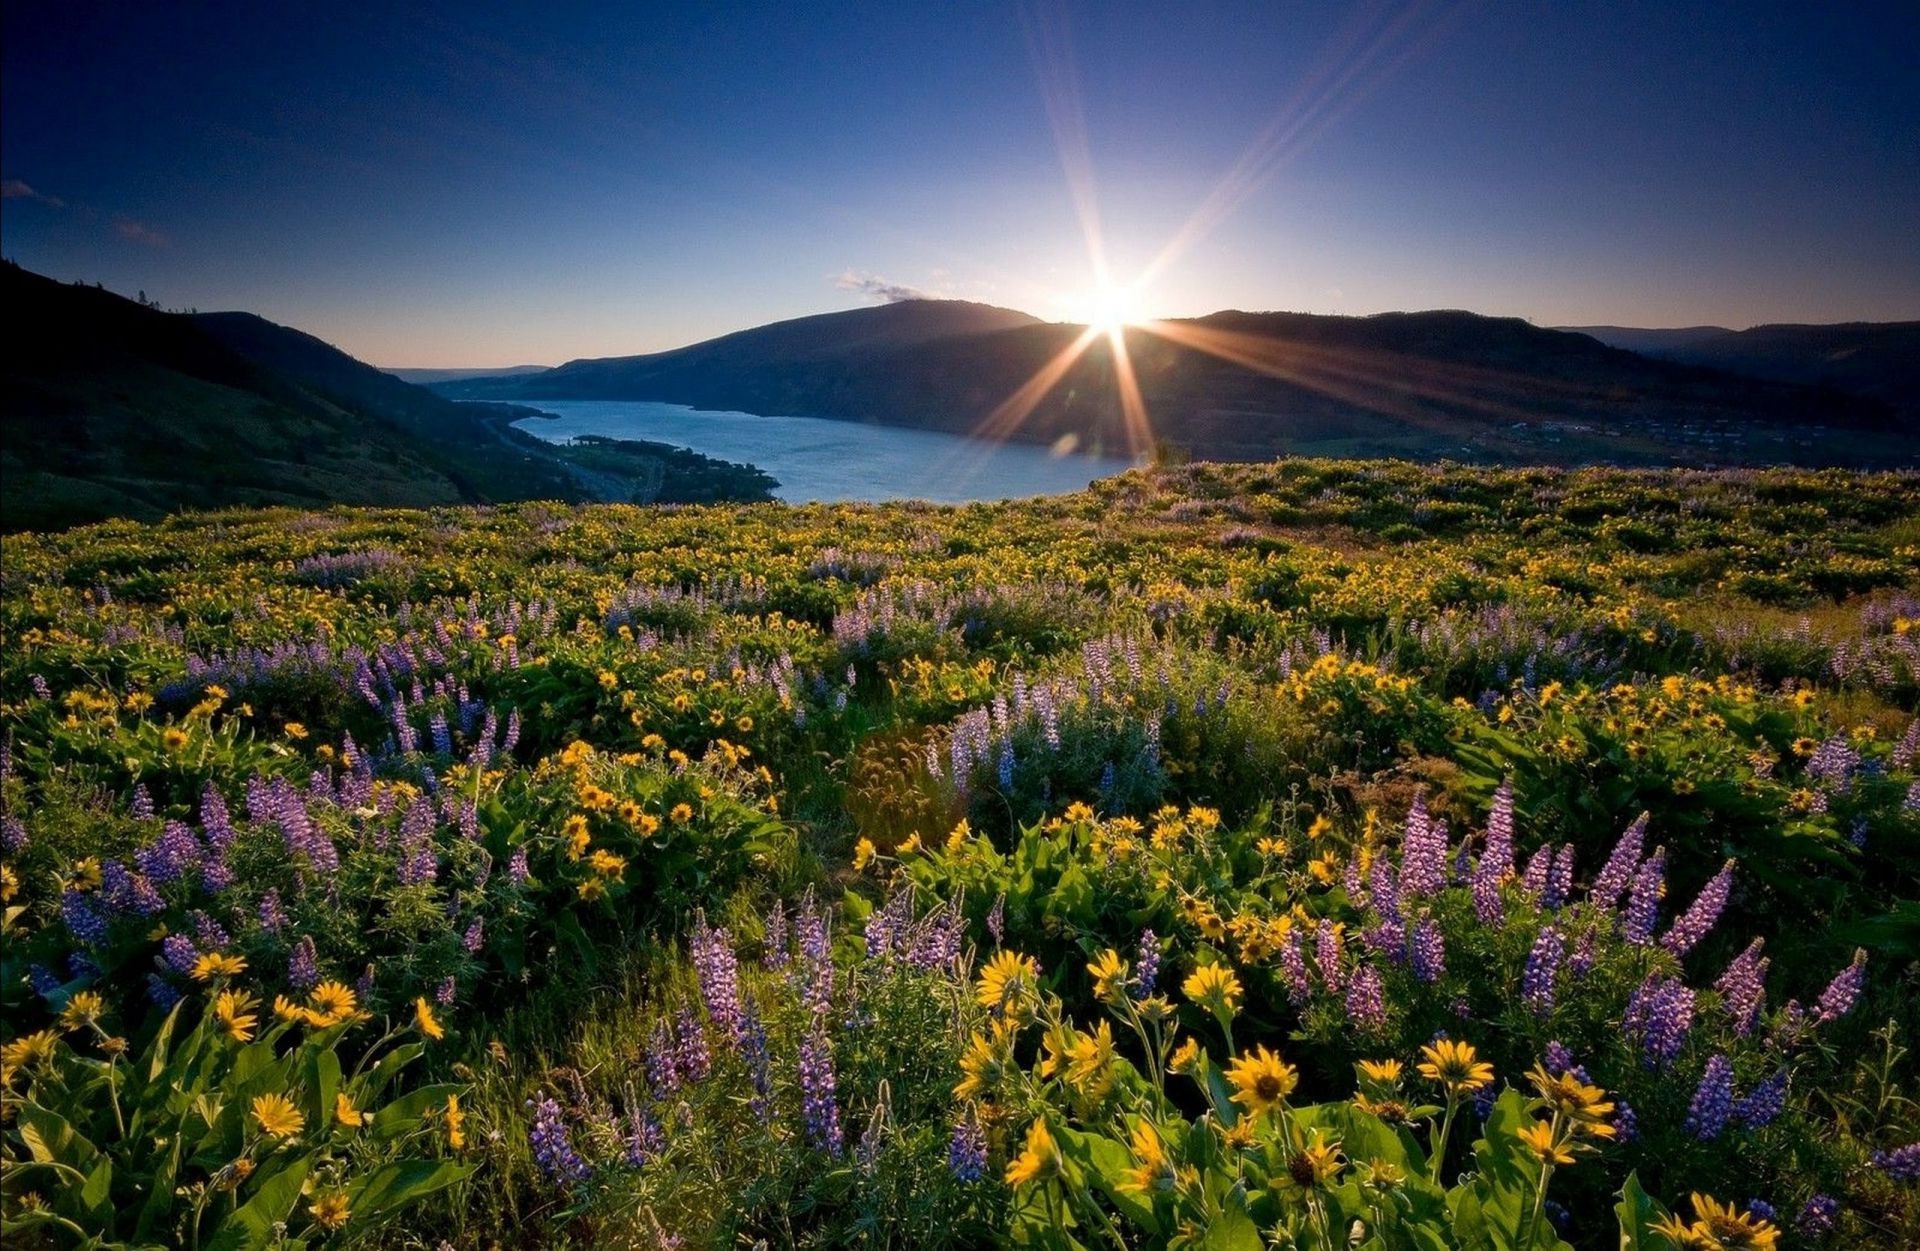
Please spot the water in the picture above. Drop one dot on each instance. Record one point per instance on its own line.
(815, 459)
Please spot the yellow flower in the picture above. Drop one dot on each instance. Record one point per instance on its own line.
(1724, 1227)
(84, 1008)
(456, 1123)
(1385, 1072)
(863, 854)
(9, 883)
(985, 1064)
(1584, 1105)
(608, 865)
(1314, 1164)
(330, 1210)
(287, 1010)
(1185, 1056)
(331, 1003)
(217, 964)
(29, 1049)
(295, 731)
(1008, 984)
(1262, 1081)
(1455, 1065)
(345, 1113)
(1109, 973)
(277, 1117)
(173, 738)
(1539, 1136)
(959, 836)
(86, 875)
(234, 1010)
(1214, 987)
(681, 814)
(1038, 1161)
(1090, 1061)
(426, 1021)
(1151, 1170)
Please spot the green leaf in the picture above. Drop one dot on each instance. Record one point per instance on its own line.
(1106, 1164)
(1638, 1212)
(403, 1115)
(323, 1083)
(251, 1225)
(1232, 1230)
(96, 1196)
(394, 1185)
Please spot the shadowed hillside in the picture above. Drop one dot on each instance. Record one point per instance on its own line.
(1879, 360)
(1243, 386)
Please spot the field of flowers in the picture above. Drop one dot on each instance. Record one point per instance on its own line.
(1317, 854)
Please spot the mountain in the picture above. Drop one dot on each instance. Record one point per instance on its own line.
(1247, 386)
(422, 377)
(112, 408)
(1879, 360)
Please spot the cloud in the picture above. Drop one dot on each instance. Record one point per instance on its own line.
(14, 189)
(876, 287)
(139, 232)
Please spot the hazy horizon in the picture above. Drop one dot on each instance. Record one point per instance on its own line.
(477, 188)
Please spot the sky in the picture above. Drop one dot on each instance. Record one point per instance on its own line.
(466, 185)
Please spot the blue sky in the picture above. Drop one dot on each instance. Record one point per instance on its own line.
(465, 185)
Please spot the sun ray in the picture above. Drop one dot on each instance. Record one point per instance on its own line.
(1016, 408)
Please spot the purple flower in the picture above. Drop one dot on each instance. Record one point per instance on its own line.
(517, 871)
(644, 1138)
(303, 968)
(82, 920)
(1384, 890)
(719, 971)
(1580, 963)
(1293, 967)
(215, 822)
(475, 937)
(820, 1113)
(1692, 925)
(552, 1145)
(1743, 987)
(1626, 1122)
(1366, 1004)
(1816, 1219)
(1760, 1209)
(13, 834)
(1427, 949)
(663, 1064)
(1900, 1164)
(1538, 877)
(1559, 878)
(1643, 900)
(1543, 971)
(967, 1150)
(208, 932)
(1329, 956)
(1764, 1102)
(1712, 1100)
(142, 804)
(775, 953)
(1617, 874)
(163, 993)
(997, 919)
(179, 952)
(690, 1054)
(446, 992)
(1423, 852)
(1843, 992)
(1146, 972)
(753, 1049)
(1660, 1015)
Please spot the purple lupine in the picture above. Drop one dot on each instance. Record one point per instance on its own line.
(1843, 992)
(663, 1065)
(690, 1054)
(1712, 1099)
(179, 953)
(1580, 963)
(1293, 967)
(163, 993)
(997, 919)
(552, 1145)
(273, 917)
(215, 873)
(1643, 900)
(816, 959)
(142, 803)
(1692, 925)
(82, 919)
(1626, 1122)
(1617, 874)
(1538, 877)
(1427, 949)
(1146, 969)
(1743, 987)
(1559, 878)
(1423, 852)
(13, 834)
(1760, 1209)
(1816, 1219)
(887, 924)
(209, 932)
(446, 992)
(817, 1092)
(644, 1139)
(775, 954)
(719, 972)
(303, 968)
(215, 822)
(518, 871)
(1329, 956)
(967, 1150)
(43, 979)
(753, 1049)
(1538, 984)
(1366, 1004)
(1764, 1102)
(475, 937)
(1660, 1015)
(1383, 890)
(1902, 1164)
(1497, 858)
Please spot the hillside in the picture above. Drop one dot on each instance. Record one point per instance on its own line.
(424, 377)
(1879, 360)
(115, 409)
(1426, 385)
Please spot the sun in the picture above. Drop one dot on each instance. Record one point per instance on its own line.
(1109, 309)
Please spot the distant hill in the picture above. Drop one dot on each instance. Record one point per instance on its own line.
(1425, 385)
(1879, 360)
(422, 377)
(111, 408)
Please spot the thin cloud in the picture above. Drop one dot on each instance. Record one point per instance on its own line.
(878, 288)
(15, 189)
(139, 232)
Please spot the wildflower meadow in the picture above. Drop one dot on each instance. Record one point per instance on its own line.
(1319, 854)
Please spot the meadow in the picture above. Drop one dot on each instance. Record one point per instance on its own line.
(1299, 855)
